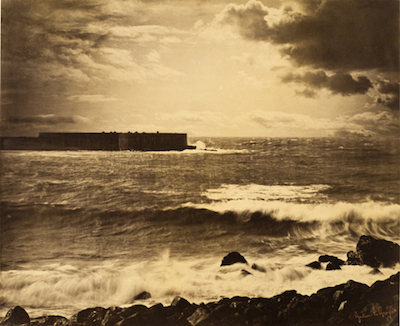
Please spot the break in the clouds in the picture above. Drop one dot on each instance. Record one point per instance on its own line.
(339, 83)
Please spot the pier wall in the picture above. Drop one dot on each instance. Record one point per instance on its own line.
(97, 141)
(152, 141)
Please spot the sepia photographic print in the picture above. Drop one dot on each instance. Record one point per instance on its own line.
(199, 163)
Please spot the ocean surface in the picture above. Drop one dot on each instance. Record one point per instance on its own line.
(83, 229)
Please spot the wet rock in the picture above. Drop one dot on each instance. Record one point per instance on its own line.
(112, 316)
(180, 303)
(16, 316)
(199, 316)
(153, 316)
(285, 297)
(48, 321)
(142, 296)
(126, 312)
(314, 265)
(353, 258)
(233, 258)
(384, 292)
(374, 252)
(332, 266)
(331, 259)
(89, 317)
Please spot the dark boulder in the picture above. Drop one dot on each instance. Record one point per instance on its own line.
(285, 297)
(133, 310)
(112, 316)
(353, 258)
(331, 259)
(89, 317)
(200, 316)
(16, 316)
(233, 258)
(374, 252)
(384, 292)
(314, 265)
(48, 321)
(142, 296)
(332, 266)
(180, 303)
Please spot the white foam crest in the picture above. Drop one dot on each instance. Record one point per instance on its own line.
(257, 192)
(280, 210)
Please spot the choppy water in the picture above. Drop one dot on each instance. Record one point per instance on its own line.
(86, 228)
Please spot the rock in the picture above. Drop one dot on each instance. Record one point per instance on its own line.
(89, 317)
(353, 259)
(384, 292)
(314, 265)
(16, 316)
(332, 266)
(48, 321)
(243, 272)
(331, 259)
(180, 303)
(127, 312)
(375, 271)
(153, 316)
(374, 252)
(112, 316)
(285, 297)
(142, 296)
(201, 314)
(258, 268)
(233, 258)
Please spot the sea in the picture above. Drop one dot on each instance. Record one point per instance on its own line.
(84, 229)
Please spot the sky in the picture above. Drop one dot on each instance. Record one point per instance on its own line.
(270, 68)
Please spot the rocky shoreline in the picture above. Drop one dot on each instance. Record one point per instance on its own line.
(351, 303)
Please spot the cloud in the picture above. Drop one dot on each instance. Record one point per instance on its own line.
(44, 119)
(329, 35)
(85, 43)
(381, 123)
(338, 83)
(307, 93)
(388, 93)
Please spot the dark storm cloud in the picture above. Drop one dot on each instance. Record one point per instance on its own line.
(388, 94)
(336, 35)
(49, 119)
(339, 83)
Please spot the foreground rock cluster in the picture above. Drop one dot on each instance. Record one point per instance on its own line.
(351, 303)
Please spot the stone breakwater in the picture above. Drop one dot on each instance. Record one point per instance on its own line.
(351, 303)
